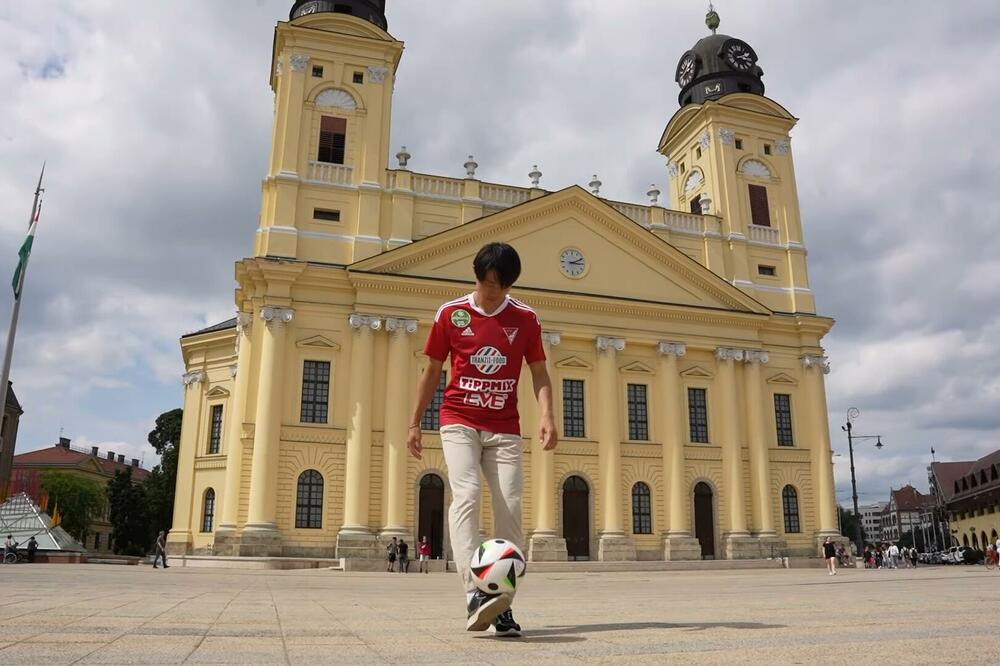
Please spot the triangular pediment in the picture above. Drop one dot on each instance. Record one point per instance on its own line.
(574, 363)
(697, 372)
(782, 378)
(318, 341)
(217, 392)
(622, 258)
(638, 367)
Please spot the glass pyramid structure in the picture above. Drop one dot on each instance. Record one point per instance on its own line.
(22, 519)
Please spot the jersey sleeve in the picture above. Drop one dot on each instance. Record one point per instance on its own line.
(438, 346)
(534, 350)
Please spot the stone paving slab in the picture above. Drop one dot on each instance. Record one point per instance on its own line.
(88, 614)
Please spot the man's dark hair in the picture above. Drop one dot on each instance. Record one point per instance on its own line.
(500, 258)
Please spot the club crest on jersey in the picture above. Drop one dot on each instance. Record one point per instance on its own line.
(488, 360)
(511, 333)
(467, 333)
(461, 318)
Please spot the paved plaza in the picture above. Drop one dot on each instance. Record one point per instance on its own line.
(93, 614)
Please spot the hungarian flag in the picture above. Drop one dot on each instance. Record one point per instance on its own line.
(24, 252)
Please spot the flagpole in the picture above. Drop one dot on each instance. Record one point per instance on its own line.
(12, 331)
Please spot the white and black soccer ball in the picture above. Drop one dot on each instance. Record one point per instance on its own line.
(496, 566)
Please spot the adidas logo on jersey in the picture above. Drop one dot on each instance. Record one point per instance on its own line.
(467, 332)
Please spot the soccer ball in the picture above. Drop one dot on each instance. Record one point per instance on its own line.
(496, 566)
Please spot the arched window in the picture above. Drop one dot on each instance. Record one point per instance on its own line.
(208, 512)
(790, 506)
(642, 518)
(975, 541)
(309, 500)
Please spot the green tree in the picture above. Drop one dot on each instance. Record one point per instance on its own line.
(159, 485)
(130, 526)
(848, 524)
(80, 501)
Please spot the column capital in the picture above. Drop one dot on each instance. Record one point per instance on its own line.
(298, 61)
(729, 354)
(552, 338)
(606, 343)
(195, 377)
(276, 317)
(397, 325)
(677, 349)
(244, 323)
(756, 356)
(362, 322)
(816, 361)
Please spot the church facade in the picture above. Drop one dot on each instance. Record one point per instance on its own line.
(684, 346)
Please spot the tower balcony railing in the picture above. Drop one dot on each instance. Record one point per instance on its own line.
(438, 186)
(330, 174)
(634, 212)
(761, 234)
(503, 196)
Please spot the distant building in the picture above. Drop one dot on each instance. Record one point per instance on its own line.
(941, 478)
(902, 513)
(871, 520)
(970, 497)
(61, 457)
(8, 431)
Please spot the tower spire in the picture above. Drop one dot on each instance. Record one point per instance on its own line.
(712, 19)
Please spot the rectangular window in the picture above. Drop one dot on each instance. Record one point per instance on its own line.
(318, 71)
(769, 271)
(760, 213)
(97, 540)
(326, 215)
(638, 419)
(315, 391)
(215, 436)
(432, 415)
(696, 205)
(767, 149)
(573, 417)
(783, 418)
(698, 415)
(739, 144)
(697, 152)
(359, 77)
(332, 140)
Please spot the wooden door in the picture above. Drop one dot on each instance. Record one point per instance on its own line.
(704, 520)
(576, 518)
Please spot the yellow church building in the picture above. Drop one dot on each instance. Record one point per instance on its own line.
(683, 343)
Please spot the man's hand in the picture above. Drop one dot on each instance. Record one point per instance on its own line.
(547, 434)
(413, 443)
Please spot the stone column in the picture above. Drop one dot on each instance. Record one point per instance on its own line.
(678, 544)
(814, 367)
(225, 533)
(761, 495)
(545, 545)
(736, 537)
(260, 536)
(355, 538)
(397, 383)
(180, 538)
(614, 544)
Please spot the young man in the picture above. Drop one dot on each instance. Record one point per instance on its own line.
(390, 554)
(160, 550)
(488, 335)
(404, 556)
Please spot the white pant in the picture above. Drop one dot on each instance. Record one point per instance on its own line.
(466, 451)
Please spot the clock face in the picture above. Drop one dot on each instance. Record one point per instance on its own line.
(739, 55)
(686, 69)
(572, 263)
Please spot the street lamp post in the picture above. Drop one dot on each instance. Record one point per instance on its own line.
(852, 414)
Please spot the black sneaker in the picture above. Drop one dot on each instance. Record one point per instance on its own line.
(484, 608)
(505, 626)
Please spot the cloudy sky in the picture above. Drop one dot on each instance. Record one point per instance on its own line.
(155, 120)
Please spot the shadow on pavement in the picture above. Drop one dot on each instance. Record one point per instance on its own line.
(638, 626)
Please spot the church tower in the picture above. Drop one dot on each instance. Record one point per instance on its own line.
(729, 155)
(334, 67)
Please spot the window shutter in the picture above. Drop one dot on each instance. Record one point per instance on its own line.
(332, 140)
(760, 214)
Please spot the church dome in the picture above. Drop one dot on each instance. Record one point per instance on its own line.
(372, 11)
(716, 66)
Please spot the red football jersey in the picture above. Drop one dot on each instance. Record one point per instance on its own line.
(486, 356)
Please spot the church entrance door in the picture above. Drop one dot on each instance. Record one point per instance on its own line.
(576, 518)
(430, 523)
(704, 520)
